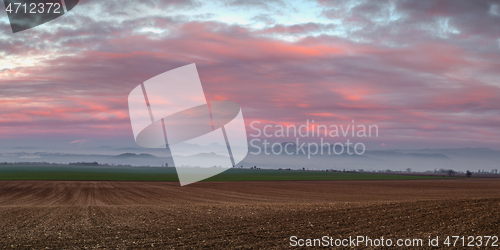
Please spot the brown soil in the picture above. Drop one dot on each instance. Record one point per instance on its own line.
(73, 215)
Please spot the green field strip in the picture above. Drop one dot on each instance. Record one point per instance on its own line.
(86, 173)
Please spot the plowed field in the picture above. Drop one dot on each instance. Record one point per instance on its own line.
(215, 215)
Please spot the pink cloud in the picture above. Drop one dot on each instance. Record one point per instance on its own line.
(431, 89)
(78, 141)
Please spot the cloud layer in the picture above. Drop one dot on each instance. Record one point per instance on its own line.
(427, 73)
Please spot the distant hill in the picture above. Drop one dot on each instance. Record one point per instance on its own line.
(439, 156)
(132, 155)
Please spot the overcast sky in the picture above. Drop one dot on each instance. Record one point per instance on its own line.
(426, 72)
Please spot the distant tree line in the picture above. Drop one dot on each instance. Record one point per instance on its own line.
(64, 164)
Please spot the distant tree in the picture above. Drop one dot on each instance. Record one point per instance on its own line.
(451, 172)
(469, 173)
(408, 170)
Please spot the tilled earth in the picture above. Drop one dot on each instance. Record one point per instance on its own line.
(259, 215)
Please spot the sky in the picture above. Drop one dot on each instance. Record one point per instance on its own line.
(427, 73)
